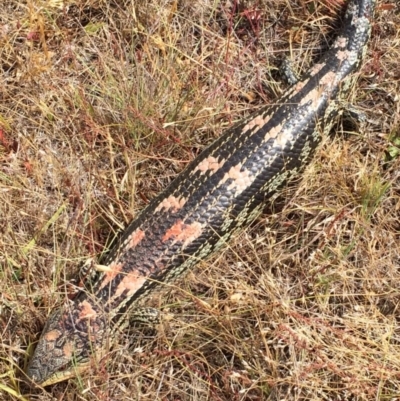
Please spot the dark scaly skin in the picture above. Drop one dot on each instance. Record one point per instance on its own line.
(220, 192)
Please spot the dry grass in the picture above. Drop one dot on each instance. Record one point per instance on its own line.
(102, 103)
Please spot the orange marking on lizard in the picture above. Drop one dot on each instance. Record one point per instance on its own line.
(343, 55)
(328, 80)
(182, 232)
(240, 179)
(258, 122)
(68, 350)
(316, 68)
(136, 237)
(273, 132)
(111, 273)
(172, 202)
(131, 282)
(210, 163)
(52, 335)
(87, 310)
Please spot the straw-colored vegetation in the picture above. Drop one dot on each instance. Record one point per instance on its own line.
(103, 102)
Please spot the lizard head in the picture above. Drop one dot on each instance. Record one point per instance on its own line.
(68, 339)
